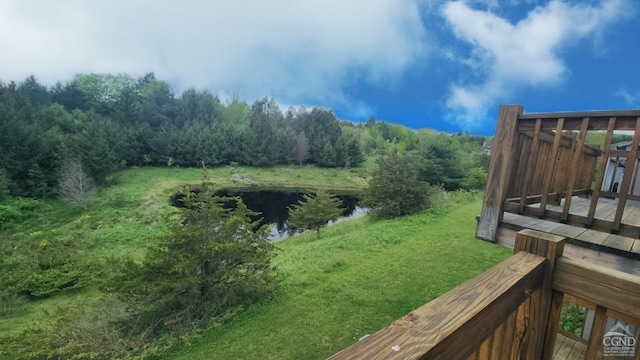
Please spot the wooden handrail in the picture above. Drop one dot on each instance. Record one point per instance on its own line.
(510, 311)
(455, 324)
(540, 153)
(500, 313)
(603, 286)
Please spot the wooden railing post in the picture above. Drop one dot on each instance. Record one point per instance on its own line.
(541, 337)
(500, 169)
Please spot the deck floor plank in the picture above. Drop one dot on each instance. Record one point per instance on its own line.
(593, 237)
(636, 247)
(606, 212)
(619, 242)
(506, 238)
(568, 349)
(577, 352)
(631, 215)
(565, 349)
(546, 226)
(569, 231)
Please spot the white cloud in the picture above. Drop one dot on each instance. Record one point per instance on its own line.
(631, 99)
(509, 56)
(294, 50)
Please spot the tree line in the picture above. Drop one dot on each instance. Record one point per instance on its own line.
(109, 122)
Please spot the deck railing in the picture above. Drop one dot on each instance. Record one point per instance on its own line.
(543, 158)
(510, 311)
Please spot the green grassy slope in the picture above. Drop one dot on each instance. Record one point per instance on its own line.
(130, 214)
(358, 278)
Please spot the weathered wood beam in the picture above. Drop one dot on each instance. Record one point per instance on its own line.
(551, 166)
(627, 177)
(626, 120)
(596, 115)
(551, 247)
(604, 160)
(575, 166)
(454, 325)
(604, 286)
(500, 169)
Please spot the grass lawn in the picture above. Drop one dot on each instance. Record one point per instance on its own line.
(129, 215)
(359, 277)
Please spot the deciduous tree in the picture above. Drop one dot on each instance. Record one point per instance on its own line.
(302, 148)
(75, 186)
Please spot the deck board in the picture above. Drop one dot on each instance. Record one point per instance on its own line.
(619, 242)
(593, 237)
(569, 231)
(546, 226)
(506, 237)
(568, 349)
(636, 247)
(631, 215)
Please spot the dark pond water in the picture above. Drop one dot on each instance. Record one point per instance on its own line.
(273, 207)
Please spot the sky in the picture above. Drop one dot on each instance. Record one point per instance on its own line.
(443, 65)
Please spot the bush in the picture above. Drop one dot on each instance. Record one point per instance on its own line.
(476, 179)
(17, 210)
(84, 331)
(394, 188)
(10, 304)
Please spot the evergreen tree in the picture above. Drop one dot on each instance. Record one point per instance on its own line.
(4, 186)
(212, 262)
(315, 211)
(394, 188)
(348, 151)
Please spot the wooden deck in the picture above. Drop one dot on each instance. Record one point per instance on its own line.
(622, 245)
(603, 248)
(568, 349)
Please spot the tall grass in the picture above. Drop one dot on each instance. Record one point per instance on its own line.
(129, 214)
(358, 278)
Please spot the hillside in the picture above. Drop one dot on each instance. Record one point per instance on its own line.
(358, 278)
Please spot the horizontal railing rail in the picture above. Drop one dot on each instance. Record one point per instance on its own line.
(610, 295)
(600, 285)
(545, 157)
(455, 324)
(498, 314)
(514, 310)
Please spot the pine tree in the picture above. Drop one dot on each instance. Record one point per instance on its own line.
(213, 261)
(394, 188)
(314, 212)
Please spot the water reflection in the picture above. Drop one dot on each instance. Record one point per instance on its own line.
(273, 206)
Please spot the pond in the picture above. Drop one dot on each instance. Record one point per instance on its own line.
(273, 204)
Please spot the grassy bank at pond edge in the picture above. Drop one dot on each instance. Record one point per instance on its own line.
(358, 278)
(128, 216)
